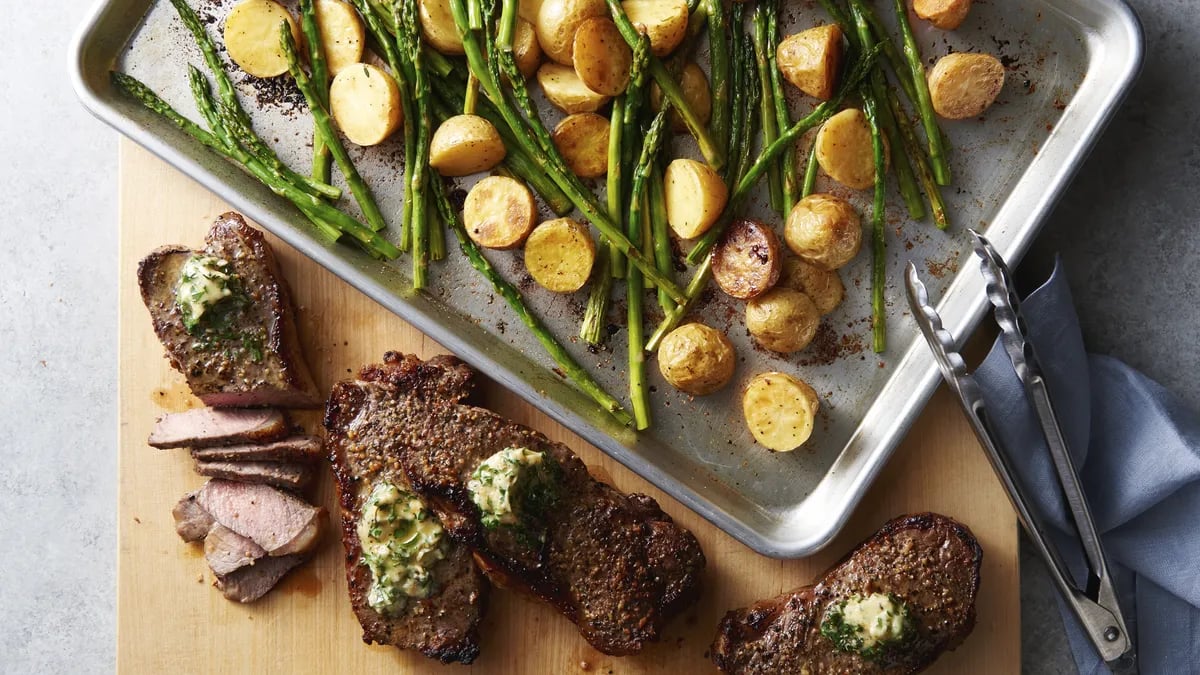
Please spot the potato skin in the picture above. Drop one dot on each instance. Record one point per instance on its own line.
(342, 34)
(810, 60)
(945, 14)
(664, 22)
(697, 359)
(782, 320)
(602, 59)
(780, 410)
(465, 144)
(696, 92)
(844, 149)
(963, 85)
(695, 196)
(557, 21)
(824, 230)
(365, 102)
(252, 37)
(526, 50)
(748, 259)
(566, 91)
(559, 255)
(438, 27)
(823, 286)
(582, 138)
(499, 212)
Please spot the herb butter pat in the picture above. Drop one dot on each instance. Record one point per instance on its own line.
(510, 486)
(203, 282)
(401, 540)
(868, 625)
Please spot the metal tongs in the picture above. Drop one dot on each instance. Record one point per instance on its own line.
(1096, 605)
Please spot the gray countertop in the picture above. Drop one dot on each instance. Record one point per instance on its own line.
(1125, 231)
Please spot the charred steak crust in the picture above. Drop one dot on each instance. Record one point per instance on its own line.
(928, 560)
(614, 564)
(228, 376)
(359, 419)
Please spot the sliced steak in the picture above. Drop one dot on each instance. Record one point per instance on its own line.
(249, 583)
(292, 449)
(192, 522)
(212, 426)
(247, 353)
(275, 520)
(278, 474)
(614, 564)
(928, 561)
(227, 551)
(362, 421)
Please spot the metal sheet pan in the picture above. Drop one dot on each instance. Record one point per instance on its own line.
(1069, 64)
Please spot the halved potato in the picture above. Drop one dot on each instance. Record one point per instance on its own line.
(602, 58)
(252, 36)
(695, 196)
(844, 149)
(559, 255)
(465, 144)
(696, 92)
(557, 21)
(824, 230)
(747, 261)
(499, 212)
(566, 91)
(696, 359)
(663, 21)
(365, 102)
(528, 10)
(783, 320)
(526, 50)
(780, 410)
(963, 85)
(438, 27)
(945, 14)
(823, 286)
(582, 139)
(342, 34)
(810, 60)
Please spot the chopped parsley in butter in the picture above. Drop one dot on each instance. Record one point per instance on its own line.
(513, 486)
(401, 540)
(868, 625)
(204, 281)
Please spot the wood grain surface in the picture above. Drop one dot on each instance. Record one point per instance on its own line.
(170, 619)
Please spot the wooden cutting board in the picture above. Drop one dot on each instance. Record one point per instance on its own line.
(170, 619)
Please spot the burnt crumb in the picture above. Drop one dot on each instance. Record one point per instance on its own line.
(939, 269)
(277, 92)
(612, 329)
(559, 372)
(458, 198)
(828, 346)
(501, 326)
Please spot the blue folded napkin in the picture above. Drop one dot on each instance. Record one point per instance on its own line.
(1137, 449)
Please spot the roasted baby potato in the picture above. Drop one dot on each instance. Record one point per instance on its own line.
(566, 91)
(582, 139)
(695, 91)
(663, 21)
(748, 259)
(465, 144)
(964, 85)
(365, 102)
(824, 287)
(824, 230)
(252, 37)
(602, 58)
(342, 34)
(559, 255)
(557, 21)
(844, 149)
(526, 50)
(528, 10)
(945, 14)
(695, 197)
(696, 359)
(782, 320)
(811, 59)
(437, 24)
(780, 410)
(499, 212)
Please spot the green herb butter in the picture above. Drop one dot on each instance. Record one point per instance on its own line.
(868, 625)
(512, 487)
(401, 540)
(204, 281)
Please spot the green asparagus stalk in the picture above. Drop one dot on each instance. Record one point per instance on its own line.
(768, 121)
(322, 159)
(933, 133)
(615, 179)
(718, 53)
(753, 96)
(810, 173)
(737, 76)
(659, 233)
(912, 146)
(409, 41)
(878, 242)
(672, 319)
(890, 52)
(783, 119)
(609, 258)
(631, 132)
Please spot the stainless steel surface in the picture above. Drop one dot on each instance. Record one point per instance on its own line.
(1069, 61)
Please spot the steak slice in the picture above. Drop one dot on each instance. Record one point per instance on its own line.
(212, 426)
(361, 427)
(278, 522)
(927, 560)
(227, 551)
(614, 564)
(253, 357)
(192, 522)
(293, 449)
(249, 583)
(276, 474)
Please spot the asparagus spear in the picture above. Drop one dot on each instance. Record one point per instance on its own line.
(322, 166)
(630, 136)
(897, 62)
(409, 41)
(767, 110)
(753, 87)
(878, 242)
(604, 269)
(810, 173)
(718, 53)
(783, 118)
(937, 153)
(737, 76)
(659, 232)
(912, 146)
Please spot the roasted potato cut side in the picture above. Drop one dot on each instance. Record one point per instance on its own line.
(844, 149)
(499, 212)
(965, 84)
(437, 24)
(365, 102)
(697, 359)
(465, 144)
(526, 50)
(748, 259)
(663, 21)
(559, 255)
(695, 197)
(602, 58)
(582, 139)
(252, 37)
(342, 34)
(824, 230)
(945, 14)
(566, 91)
(696, 92)
(824, 287)
(557, 21)
(783, 320)
(810, 60)
(780, 410)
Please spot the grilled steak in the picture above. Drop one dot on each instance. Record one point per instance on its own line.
(277, 474)
(227, 551)
(292, 449)
(192, 522)
(928, 561)
(212, 426)
(614, 564)
(362, 421)
(278, 522)
(244, 349)
(249, 583)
